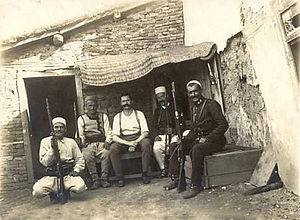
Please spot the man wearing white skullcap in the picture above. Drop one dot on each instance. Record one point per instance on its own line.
(96, 135)
(71, 159)
(205, 137)
(163, 129)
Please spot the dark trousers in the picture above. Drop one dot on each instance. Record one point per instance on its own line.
(197, 152)
(117, 149)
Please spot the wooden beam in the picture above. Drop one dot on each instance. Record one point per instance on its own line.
(25, 127)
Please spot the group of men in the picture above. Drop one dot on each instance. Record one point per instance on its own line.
(102, 144)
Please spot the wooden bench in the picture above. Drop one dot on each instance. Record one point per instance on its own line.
(129, 157)
(234, 164)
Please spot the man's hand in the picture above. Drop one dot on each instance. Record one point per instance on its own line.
(157, 138)
(202, 140)
(54, 142)
(74, 173)
(169, 131)
(106, 145)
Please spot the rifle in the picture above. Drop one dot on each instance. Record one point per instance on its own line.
(181, 179)
(167, 136)
(77, 138)
(62, 196)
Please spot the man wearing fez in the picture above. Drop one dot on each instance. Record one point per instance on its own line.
(205, 137)
(96, 136)
(130, 132)
(71, 159)
(163, 128)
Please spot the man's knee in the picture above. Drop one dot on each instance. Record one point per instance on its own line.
(198, 150)
(79, 185)
(114, 149)
(157, 147)
(146, 144)
(105, 154)
(88, 154)
(39, 192)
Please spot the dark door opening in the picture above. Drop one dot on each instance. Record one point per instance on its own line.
(61, 92)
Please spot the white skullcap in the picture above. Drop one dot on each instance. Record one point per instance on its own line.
(91, 98)
(159, 89)
(194, 82)
(59, 120)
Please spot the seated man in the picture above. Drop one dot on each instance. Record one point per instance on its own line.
(163, 129)
(70, 156)
(96, 136)
(206, 137)
(130, 131)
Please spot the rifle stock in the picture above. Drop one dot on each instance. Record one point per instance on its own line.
(61, 186)
(181, 179)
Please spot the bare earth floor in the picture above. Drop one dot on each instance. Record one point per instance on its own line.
(138, 201)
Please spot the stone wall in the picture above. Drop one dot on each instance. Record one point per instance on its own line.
(244, 104)
(13, 172)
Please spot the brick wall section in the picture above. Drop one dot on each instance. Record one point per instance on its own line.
(13, 173)
(245, 107)
(150, 28)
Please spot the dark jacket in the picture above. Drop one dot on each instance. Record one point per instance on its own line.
(211, 124)
(159, 122)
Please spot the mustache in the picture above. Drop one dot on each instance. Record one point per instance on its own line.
(126, 105)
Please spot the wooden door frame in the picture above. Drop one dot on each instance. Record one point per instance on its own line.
(24, 109)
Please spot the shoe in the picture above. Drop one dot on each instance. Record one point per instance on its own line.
(192, 191)
(164, 173)
(105, 183)
(53, 198)
(121, 183)
(146, 180)
(96, 185)
(171, 185)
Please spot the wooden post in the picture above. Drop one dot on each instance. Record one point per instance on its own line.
(25, 127)
(78, 85)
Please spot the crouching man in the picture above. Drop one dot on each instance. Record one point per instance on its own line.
(71, 159)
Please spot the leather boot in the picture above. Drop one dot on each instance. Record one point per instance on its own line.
(192, 191)
(105, 183)
(172, 184)
(146, 179)
(53, 198)
(96, 185)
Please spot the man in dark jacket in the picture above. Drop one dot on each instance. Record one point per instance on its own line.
(163, 128)
(205, 137)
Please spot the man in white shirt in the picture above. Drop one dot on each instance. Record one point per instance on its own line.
(130, 132)
(96, 136)
(69, 154)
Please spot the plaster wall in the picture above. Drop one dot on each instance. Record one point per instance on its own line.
(276, 74)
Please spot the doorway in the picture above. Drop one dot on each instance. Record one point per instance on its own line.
(61, 93)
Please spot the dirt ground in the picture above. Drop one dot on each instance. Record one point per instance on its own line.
(138, 201)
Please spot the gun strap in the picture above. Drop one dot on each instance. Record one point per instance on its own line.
(201, 111)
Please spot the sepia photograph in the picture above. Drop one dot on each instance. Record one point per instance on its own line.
(149, 109)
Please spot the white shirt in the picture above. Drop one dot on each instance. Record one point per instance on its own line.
(68, 151)
(129, 124)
